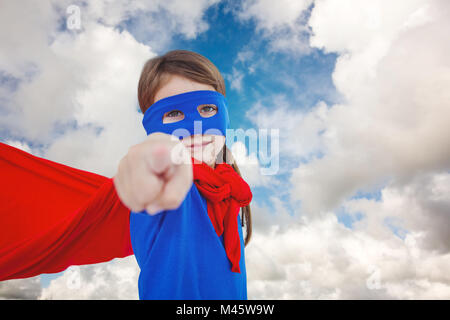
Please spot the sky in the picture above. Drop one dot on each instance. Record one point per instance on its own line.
(358, 91)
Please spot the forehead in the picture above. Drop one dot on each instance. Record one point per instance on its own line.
(173, 84)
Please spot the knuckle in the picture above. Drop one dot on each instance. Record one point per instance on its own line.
(130, 203)
(137, 205)
(142, 197)
(170, 201)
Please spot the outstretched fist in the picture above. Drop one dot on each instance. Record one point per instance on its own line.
(154, 175)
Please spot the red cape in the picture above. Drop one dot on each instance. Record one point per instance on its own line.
(53, 216)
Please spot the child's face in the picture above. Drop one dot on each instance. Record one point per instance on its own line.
(204, 147)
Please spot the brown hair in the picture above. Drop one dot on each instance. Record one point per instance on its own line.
(156, 73)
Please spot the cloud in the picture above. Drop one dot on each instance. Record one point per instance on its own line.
(282, 23)
(322, 259)
(154, 22)
(20, 53)
(388, 135)
(393, 123)
(420, 205)
(20, 289)
(235, 79)
(116, 280)
(270, 15)
(249, 166)
(299, 129)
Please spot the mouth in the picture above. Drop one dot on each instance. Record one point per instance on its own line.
(198, 144)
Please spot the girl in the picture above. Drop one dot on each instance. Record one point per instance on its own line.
(186, 237)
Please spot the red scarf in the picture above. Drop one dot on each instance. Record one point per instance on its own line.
(225, 192)
(53, 216)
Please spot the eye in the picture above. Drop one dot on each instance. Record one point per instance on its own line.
(173, 116)
(207, 110)
(174, 113)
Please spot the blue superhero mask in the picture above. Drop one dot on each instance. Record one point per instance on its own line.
(193, 122)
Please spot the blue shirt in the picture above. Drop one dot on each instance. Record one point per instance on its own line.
(181, 256)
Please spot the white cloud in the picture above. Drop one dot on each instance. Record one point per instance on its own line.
(394, 121)
(20, 288)
(154, 22)
(390, 133)
(270, 15)
(282, 22)
(299, 130)
(111, 280)
(19, 145)
(174, 16)
(249, 166)
(25, 33)
(322, 259)
(235, 79)
(419, 204)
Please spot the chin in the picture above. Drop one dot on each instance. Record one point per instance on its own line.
(207, 160)
(204, 157)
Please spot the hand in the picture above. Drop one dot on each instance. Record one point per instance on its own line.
(154, 175)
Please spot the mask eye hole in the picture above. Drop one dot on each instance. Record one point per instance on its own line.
(207, 110)
(173, 116)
